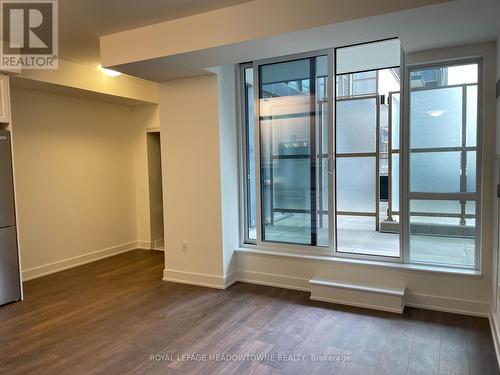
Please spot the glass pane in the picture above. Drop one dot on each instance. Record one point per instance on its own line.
(294, 149)
(388, 81)
(470, 208)
(395, 183)
(471, 115)
(356, 84)
(371, 75)
(436, 118)
(462, 74)
(323, 232)
(342, 85)
(285, 74)
(421, 209)
(364, 86)
(324, 183)
(355, 184)
(356, 125)
(470, 212)
(368, 56)
(250, 155)
(395, 120)
(444, 76)
(384, 130)
(289, 227)
(365, 223)
(434, 206)
(291, 184)
(437, 172)
(322, 142)
(471, 171)
(290, 136)
(443, 231)
(357, 235)
(440, 233)
(323, 199)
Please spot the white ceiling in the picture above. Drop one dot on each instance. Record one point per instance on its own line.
(447, 24)
(81, 22)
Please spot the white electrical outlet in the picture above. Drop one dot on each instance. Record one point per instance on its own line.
(184, 246)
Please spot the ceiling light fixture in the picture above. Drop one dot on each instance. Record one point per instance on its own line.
(436, 113)
(108, 72)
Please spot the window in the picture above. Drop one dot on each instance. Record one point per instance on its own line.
(293, 151)
(357, 181)
(250, 220)
(443, 187)
(366, 150)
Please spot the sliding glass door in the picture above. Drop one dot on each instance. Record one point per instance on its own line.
(307, 184)
(294, 142)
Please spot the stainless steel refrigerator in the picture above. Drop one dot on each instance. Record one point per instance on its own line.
(10, 287)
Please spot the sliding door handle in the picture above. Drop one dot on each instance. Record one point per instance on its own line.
(331, 165)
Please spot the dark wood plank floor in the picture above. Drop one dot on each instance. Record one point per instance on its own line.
(111, 316)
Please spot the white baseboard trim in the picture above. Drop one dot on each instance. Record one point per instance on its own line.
(144, 244)
(445, 304)
(495, 333)
(356, 304)
(429, 302)
(269, 279)
(151, 245)
(158, 244)
(199, 279)
(230, 279)
(61, 265)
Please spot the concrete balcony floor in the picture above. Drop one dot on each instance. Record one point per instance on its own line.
(357, 235)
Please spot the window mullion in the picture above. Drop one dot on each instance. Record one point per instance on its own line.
(258, 184)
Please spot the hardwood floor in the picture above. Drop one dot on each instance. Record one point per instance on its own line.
(116, 316)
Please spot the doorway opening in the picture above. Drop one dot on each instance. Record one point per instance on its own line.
(155, 190)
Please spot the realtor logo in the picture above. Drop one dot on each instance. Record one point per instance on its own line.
(29, 34)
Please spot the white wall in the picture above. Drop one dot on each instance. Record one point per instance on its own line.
(228, 144)
(498, 100)
(496, 222)
(200, 176)
(76, 165)
(191, 180)
(93, 82)
(496, 217)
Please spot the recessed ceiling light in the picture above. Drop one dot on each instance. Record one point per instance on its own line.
(108, 72)
(436, 113)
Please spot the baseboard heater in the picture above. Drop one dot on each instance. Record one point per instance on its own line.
(379, 298)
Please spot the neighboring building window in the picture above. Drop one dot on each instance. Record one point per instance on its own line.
(356, 84)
